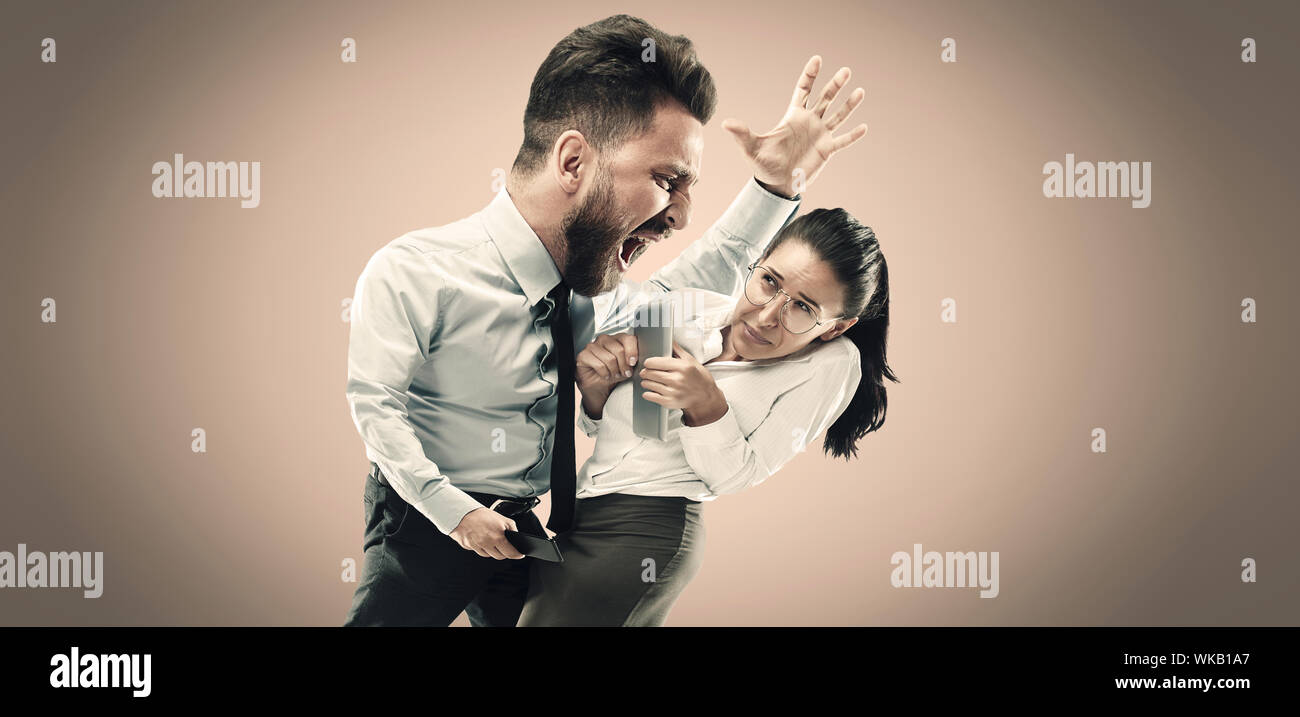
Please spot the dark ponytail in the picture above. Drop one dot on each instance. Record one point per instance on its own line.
(866, 412)
(853, 253)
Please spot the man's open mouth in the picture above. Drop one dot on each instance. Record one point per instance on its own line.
(633, 247)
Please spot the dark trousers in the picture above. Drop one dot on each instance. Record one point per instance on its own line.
(416, 575)
(626, 561)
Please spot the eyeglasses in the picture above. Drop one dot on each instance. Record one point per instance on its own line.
(761, 287)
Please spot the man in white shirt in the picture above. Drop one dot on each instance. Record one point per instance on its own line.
(455, 372)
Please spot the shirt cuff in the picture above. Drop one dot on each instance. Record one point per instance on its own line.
(795, 198)
(757, 213)
(588, 424)
(722, 432)
(447, 510)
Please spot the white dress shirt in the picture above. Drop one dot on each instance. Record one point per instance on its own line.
(775, 407)
(451, 378)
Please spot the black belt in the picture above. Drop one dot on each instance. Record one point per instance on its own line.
(509, 506)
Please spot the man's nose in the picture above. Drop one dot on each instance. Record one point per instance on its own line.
(678, 213)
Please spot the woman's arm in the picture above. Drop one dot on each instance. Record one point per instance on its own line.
(602, 365)
(589, 425)
(728, 461)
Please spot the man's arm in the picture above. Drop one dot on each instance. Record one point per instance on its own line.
(716, 261)
(395, 312)
(719, 260)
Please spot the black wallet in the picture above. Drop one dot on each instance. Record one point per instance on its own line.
(534, 546)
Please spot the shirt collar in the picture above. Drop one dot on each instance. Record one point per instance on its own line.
(709, 326)
(525, 255)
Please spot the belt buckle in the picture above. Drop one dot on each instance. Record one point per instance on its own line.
(515, 506)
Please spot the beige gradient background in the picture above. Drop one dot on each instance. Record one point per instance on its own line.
(1072, 314)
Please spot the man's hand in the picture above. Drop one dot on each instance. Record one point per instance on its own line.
(683, 382)
(602, 365)
(802, 139)
(483, 531)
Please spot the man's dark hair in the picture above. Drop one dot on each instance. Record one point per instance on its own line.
(595, 81)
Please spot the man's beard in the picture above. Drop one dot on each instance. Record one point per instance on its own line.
(595, 235)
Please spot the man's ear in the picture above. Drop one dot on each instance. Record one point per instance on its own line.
(840, 327)
(571, 160)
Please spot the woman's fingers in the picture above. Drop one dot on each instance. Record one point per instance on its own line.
(623, 348)
(610, 353)
(628, 344)
(607, 361)
(664, 377)
(656, 387)
(663, 363)
(586, 361)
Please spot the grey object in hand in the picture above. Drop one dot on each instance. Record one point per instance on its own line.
(653, 338)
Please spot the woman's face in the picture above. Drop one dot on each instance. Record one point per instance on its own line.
(757, 332)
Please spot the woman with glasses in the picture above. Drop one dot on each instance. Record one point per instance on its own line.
(752, 380)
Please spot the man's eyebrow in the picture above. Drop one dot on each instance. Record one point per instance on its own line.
(679, 171)
(802, 295)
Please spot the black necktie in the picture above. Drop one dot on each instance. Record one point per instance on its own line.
(564, 476)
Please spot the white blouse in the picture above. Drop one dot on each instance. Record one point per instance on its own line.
(775, 407)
